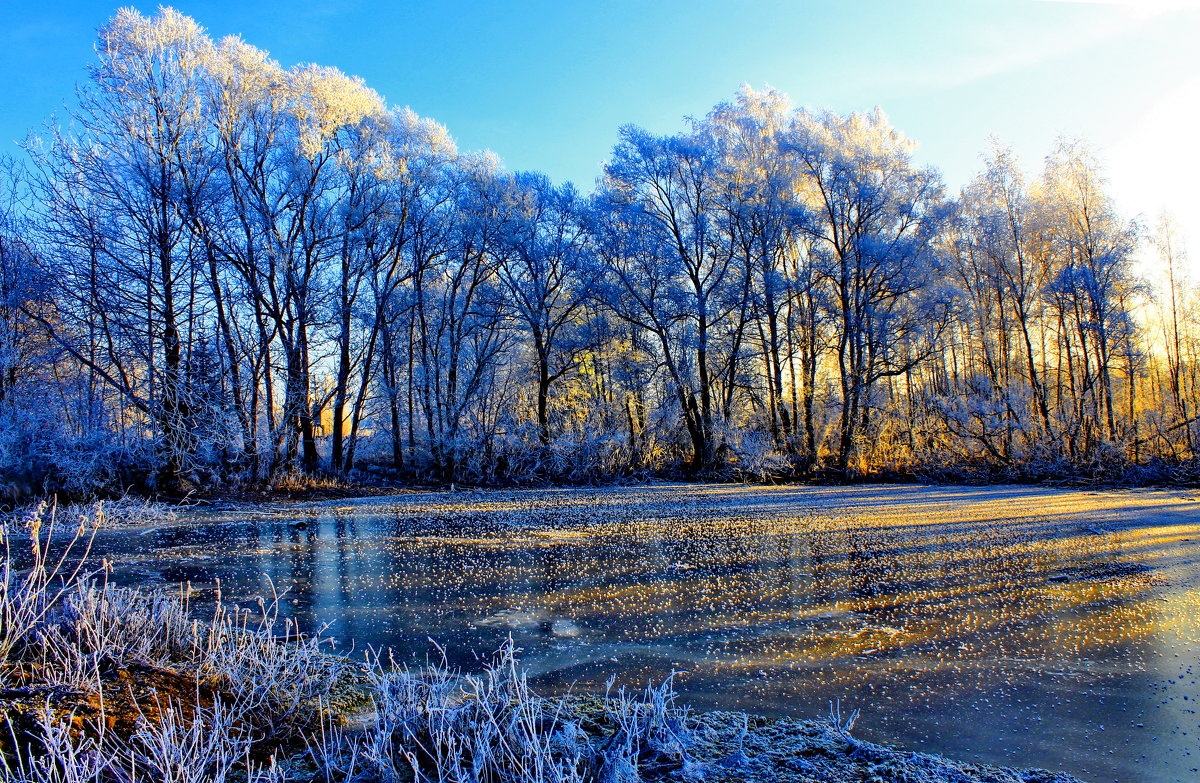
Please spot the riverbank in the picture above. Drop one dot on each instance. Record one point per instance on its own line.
(188, 717)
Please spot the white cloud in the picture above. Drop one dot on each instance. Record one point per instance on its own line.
(1139, 8)
(1084, 31)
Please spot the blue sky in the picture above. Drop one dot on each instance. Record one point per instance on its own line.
(545, 85)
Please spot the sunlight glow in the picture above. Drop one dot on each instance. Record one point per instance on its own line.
(1156, 164)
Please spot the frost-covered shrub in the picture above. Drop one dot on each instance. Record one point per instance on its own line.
(123, 512)
(64, 625)
(438, 724)
(755, 457)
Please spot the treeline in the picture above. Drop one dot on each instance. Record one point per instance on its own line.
(222, 270)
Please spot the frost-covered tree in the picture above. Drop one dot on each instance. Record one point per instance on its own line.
(548, 277)
(1177, 306)
(1094, 247)
(108, 190)
(873, 216)
(668, 191)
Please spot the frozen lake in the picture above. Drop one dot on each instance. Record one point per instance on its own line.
(1019, 626)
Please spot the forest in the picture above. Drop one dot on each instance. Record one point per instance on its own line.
(215, 271)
